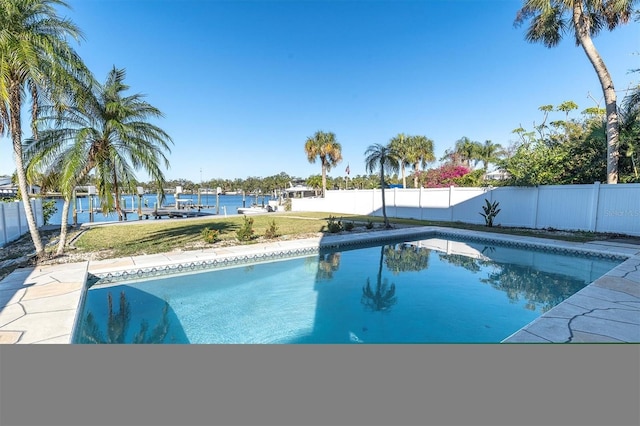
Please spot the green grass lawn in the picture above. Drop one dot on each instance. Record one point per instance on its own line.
(157, 236)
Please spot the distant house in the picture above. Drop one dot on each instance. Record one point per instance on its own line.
(9, 190)
(497, 175)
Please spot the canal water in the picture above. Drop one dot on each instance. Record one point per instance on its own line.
(220, 204)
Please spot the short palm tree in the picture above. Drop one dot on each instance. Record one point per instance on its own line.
(467, 150)
(551, 19)
(420, 153)
(324, 146)
(399, 146)
(488, 153)
(379, 157)
(35, 57)
(109, 134)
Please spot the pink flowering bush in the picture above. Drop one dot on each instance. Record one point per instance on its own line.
(443, 176)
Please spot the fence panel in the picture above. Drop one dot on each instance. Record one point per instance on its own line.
(619, 209)
(565, 207)
(13, 220)
(602, 208)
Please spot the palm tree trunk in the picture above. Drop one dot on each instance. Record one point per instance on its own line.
(384, 206)
(324, 179)
(613, 128)
(415, 175)
(63, 227)
(404, 179)
(16, 136)
(117, 196)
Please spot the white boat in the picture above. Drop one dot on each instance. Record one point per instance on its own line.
(255, 209)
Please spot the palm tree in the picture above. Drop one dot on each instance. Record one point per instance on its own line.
(378, 157)
(384, 296)
(420, 153)
(107, 133)
(550, 19)
(489, 153)
(467, 150)
(399, 146)
(324, 146)
(35, 57)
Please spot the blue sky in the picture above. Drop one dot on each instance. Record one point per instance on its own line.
(243, 84)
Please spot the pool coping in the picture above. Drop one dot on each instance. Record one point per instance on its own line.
(40, 304)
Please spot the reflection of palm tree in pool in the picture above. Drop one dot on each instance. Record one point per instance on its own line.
(539, 288)
(328, 264)
(118, 323)
(384, 296)
(406, 257)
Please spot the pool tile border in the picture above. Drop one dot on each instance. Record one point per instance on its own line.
(606, 310)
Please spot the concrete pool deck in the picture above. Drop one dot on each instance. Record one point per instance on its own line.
(40, 304)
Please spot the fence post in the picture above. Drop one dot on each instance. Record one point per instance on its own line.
(19, 216)
(595, 200)
(450, 206)
(4, 225)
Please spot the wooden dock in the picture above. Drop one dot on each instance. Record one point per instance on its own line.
(171, 213)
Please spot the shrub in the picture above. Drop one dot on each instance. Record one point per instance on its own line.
(245, 233)
(348, 226)
(272, 230)
(369, 224)
(334, 224)
(48, 209)
(210, 235)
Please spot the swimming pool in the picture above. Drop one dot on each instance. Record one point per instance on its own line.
(427, 290)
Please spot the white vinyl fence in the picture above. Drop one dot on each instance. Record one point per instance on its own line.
(13, 220)
(596, 208)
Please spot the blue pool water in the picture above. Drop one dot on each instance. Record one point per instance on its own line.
(427, 291)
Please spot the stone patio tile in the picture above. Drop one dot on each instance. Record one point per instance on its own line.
(634, 275)
(16, 279)
(584, 337)
(53, 289)
(605, 294)
(7, 297)
(11, 313)
(65, 301)
(46, 325)
(615, 329)
(619, 284)
(565, 309)
(629, 316)
(524, 336)
(553, 329)
(630, 304)
(9, 337)
(64, 339)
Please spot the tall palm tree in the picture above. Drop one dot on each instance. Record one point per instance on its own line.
(467, 150)
(399, 146)
(324, 146)
(379, 157)
(489, 153)
(420, 153)
(36, 58)
(109, 133)
(550, 19)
